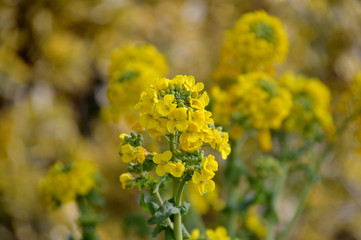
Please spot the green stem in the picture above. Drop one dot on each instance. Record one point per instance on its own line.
(177, 192)
(307, 187)
(279, 185)
(194, 216)
(305, 192)
(303, 197)
(234, 170)
(277, 191)
(87, 220)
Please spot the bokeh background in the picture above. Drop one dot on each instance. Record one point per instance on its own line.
(54, 60)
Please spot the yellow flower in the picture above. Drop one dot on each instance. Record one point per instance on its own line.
(200, 103)
(265, 140)
(166, 106)
(191, 134)
(148, 99)
(198, 117)
(189, 84)
(256, 101)
(178, 80)
(130, 153)
(149, 120)
(210, 164)
(256, 42)
(127, 153)
(204, 203)
(311, 109)
(66, 181)
(162, 160)
(121, 137)
(219, 234)
(178, 118)
(203, 181)
(132, 69)
(162, 84)
(254, 224)
(223, 146)
(124, 178)
(140, 153)
(195, 234)
(177, 169)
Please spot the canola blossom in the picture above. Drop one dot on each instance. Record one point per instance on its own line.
(310, 115)
(220, 233)
(255, 43)
(255, 101)
(66, 181)
(132, 69)
(254, 223)
(175, 109)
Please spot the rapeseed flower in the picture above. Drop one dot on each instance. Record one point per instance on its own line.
(310, 114)
(175, 109)
(203, 181)
(124, 179)
(132, 69)
(66, 181)
(220, 233)
(163, 164)
(255, 43)
(255, 101)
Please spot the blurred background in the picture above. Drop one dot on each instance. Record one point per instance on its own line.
(54, 60)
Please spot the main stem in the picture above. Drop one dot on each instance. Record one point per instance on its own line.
(234, 170)
(277, 191)
(280, 183)
(177, 194)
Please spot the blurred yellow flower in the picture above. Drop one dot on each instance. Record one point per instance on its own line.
(66, 181)
(124, 178)
(256, 42)
(220, 233)
(132, 69)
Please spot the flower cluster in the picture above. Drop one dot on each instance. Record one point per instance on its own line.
(310, 114)
(256, 101)
(220, 233)
(256, 42)
(132, 69)
(66, 181)
(175, 109)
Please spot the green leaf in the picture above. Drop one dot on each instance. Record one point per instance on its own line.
(136, 224)
(143, 204)
(95, 198)
(163, 212)
(184, 208)
(148, 165)
(150, 207)
(185, 233)
(169, 234)
(157, 230)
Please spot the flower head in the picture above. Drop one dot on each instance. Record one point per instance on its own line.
(256, 42)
